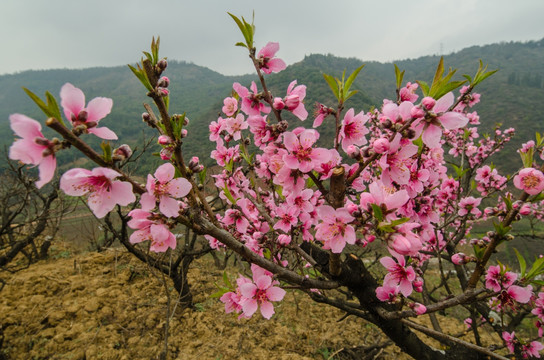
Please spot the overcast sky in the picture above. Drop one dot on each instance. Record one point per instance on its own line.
(46, 34)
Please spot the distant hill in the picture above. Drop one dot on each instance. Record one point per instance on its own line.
(514, 96)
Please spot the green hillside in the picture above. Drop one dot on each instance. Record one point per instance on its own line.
(514, 96)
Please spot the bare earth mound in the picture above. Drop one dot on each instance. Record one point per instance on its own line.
(111, 306)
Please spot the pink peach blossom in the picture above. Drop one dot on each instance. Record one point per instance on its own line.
(267, 61)
(104, 192)
(529, 180)
(32, 148)
(73, 102)
(165, 189)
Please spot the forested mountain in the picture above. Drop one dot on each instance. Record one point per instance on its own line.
(513, 96)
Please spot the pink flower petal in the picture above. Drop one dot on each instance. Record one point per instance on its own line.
(453, 120)
(121, 193)
(275, 293)
(249, 307)
(248, 290)
(147, 201)
(169, 206)
(98, 108)
(25, 127)
(267, 309)
(103, 133)
(165, 173)
(431, 136)
(179, 187)
(139, 236)
(72, 100)
(444, 103)
(72, 180)
(263, 282)
(47, 170)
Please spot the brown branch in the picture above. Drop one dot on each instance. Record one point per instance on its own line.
(89, 152)
(203, 226)
(450, 339)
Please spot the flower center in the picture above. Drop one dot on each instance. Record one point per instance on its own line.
(531, 181)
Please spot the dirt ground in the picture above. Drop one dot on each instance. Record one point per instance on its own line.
(109, 305)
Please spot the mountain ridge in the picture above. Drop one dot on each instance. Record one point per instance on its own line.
(513, 96)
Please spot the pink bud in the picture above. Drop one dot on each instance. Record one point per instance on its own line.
(163, 82)
(459, 259)
(164, 140)
(417, 112)
(381, 145)
(284, 239)
(166, 153)
(292, 101)
(428, 102)
(525, 209)
(278, 103)
(420, 309)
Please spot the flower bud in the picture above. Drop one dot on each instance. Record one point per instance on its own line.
(417, 112)
(164, 92)
(353, 152)
(122, 152)
(166, 153)
(387, 124)
(381, 145)
(146, 117)
(410, 133)
(164, 140)
(183, 133)
(292, 101)
(428, 102)
(161, 65)
(163, 82)
(459, 259)
(278, 103)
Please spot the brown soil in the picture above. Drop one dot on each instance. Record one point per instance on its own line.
(109, 305)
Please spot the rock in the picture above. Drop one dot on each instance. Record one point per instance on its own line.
(92, 305)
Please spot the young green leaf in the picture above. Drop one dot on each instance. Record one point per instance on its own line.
(333, 85)
(522, 263)
(399, 75)
(378, 214)
(351, 78)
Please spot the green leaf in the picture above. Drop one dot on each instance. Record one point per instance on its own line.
(246, 29)
(500, 229)
(229, 195)
(399, 75)
(399, 221)
(226, 280)
(333, 85)
(522, 263)
(350, 94)
(478, 251)
(106, 148)
(424, 87)
(53, 106)
(38, 102)
(241, 44)
(202, 176)
(351, 78)
(140, 74)
(378, 214)
(219, 293)
(537, 269)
